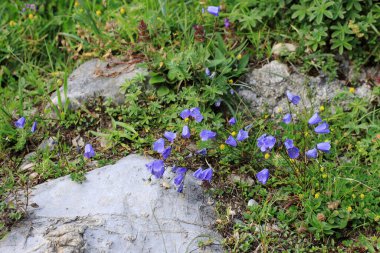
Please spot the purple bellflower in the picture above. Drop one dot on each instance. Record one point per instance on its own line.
(159, 145)
(202, 151)
(293, 152)
(185, 114)
(207, 72)
(207, 134)
(287, 118)
(34, 127)
(20, 123)
(232, 121)
(196, 114)
(213, 10)
(315, 119)
(266, 143)
(88, 151)
(166, 153)
(231, 141)
(232, 91)
(227, 23)
(156, 168)
(289, 143)
(324, 147)
(263, 176)
(205, 175)
(294, 99)
(242, 135)
(170, 136)
(185, 132)
(322, 128)
(312, 153)
(218, 102)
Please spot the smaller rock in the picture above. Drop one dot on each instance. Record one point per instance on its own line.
(252, 202)
(50, 143)
(33, 176)
(27, 166)
(281, 48)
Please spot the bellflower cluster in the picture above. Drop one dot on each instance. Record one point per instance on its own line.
(266, 142)
(263, 176)
(292, 151)
(180, 178)
(287, 118)
(207, 135)
(204, 175)
(294, 99)
(20, 123)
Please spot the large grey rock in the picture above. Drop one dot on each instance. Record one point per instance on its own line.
(98, 78)
(117, 209)
(266, 88)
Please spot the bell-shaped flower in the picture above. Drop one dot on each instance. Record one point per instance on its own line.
(287, 118)
(207, 134)
(315, 119)
(294, 99)
(196, 114)
(159, 145)
(242, 135)
(293, 152)
(322, 128)
(231, 141)
(88, 151)
(170, 136)
(185, 114)
(156, 168)
(207, 72)
(232, 121)
(20, 123)
(202, 151)
(227, 23)
(205, 175)
(288, 143)
(312, 153)
(266, 143)
(324, 147)
(213, 10)
(218, 102)
(166, 153)
(185, 132)
(34, 127)
(263, 176)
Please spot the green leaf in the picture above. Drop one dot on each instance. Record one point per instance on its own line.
(163, 91)
(156, 79)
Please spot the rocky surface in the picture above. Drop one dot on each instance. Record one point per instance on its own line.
(117, 209)
(98, 78)
(265, 88)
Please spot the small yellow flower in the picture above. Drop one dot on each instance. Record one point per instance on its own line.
(266, 116)
(231, 81)
(322, 169)
(349, 209)
(222, 146)
(30, 16)
(98, 12)
(12, 23)
(186, 119)
(362, 196)
(317, 195)
(266, 156)
(279, 110)
(76, 4)
(238, 56)
(351, 90)
(321, 108)
(233, 133)
(353, 196)
(161, 64)
(122, 11)
(59, 81)
(306, 134)
(324, 175)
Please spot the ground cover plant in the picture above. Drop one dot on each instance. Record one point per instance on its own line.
(311, 176)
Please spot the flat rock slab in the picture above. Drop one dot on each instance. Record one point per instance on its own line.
(266, 87)
(98, 78)
(117, 209)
